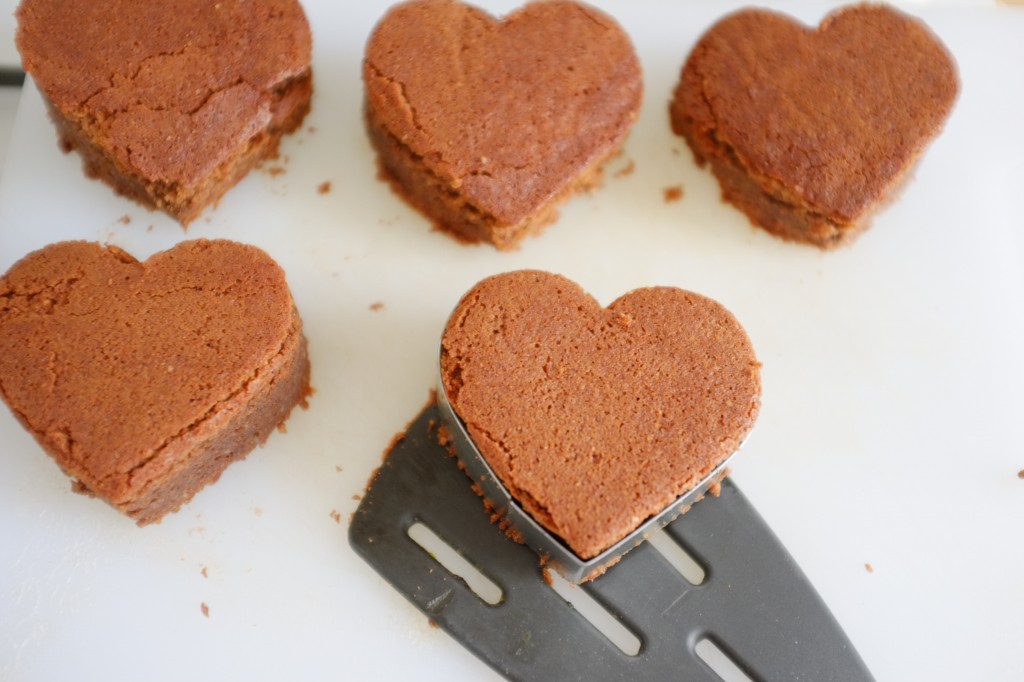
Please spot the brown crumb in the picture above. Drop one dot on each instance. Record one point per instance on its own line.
(257, 511)
(323, 187)
(626, 170)
(357, 497)
(600, 570)
(204, 572)
(205, 609)
(445, 440)
(545, 573)
(395, 440)
(432, 623)
(673, 194)
(149, 229)
(338, 468)
(80, 488)
(377, 306)
(511, 531)
(311, 129)
(336, 516)
(1020, 474)
(869, 568)
(125, 219)
(275, 171)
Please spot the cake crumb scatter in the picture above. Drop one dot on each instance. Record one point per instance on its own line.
(673, 194)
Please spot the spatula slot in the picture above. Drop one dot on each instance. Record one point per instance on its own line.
(455, 563)
(677, 555)
(595, 614)
(720, 662)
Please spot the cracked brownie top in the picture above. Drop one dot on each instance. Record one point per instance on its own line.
(112, 363)
(172, 88)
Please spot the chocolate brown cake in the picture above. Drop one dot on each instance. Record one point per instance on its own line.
(486, 126)
(808, 131)
(595, 419)
(144, 380)
(171, 103)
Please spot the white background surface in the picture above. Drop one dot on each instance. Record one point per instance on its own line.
(892, 400)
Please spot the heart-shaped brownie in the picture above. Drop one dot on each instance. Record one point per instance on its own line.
(486, 125)
(145, 380)
(594, 418)
(809, 130)
(171, 103)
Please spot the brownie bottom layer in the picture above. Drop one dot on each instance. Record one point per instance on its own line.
(450, 212)
(776, 214)
(291, 103)
(229, 432)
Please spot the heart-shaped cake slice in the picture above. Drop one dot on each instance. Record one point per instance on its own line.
(144, 380)
(595, 419)
(171, 103)
(808, 131)
(486, 125)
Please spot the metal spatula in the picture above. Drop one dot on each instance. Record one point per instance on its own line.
(754, 604)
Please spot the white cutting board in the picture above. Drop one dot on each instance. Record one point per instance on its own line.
(892, 388)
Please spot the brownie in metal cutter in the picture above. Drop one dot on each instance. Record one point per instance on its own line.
(557, 554)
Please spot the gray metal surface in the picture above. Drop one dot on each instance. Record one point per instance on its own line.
(754, 603)
(11, 76)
